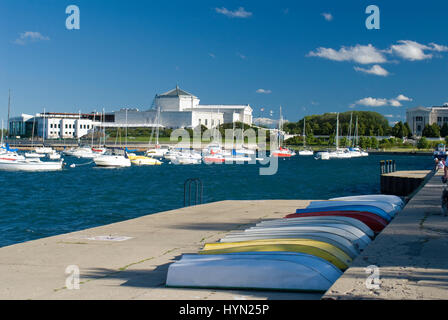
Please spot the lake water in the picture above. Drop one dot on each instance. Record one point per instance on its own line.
(36, 205)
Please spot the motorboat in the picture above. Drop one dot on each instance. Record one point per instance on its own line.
(54, 155)
(114, 158)
(319, 249)
(44, 150)
(157, 151)
(187, 157)
(283, 153)
(306, 152)
(214, 158)
(34, 155)
(142, 160)
(254, 270)
(85, 152)
(28, 164)
(340, 153)
(322, 155)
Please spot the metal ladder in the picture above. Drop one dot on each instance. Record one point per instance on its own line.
(197, 195)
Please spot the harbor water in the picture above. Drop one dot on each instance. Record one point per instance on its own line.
(41, 204)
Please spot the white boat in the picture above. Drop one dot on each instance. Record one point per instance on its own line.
(157, 151)
(54, 155)
(33, 164)
(113, 159)
(322, 155)
(305, 151)
(253, 270)
(44, 150)
(342, 243)
(340, 153)
(318, 219)
(187, 157)
(85, 152)
(359, 238)
(374, 197)
(34, 155)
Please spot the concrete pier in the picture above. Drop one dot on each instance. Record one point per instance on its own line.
(411, 254)
(402, 183)
(135, 268)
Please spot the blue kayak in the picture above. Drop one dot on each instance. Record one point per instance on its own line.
(366, 208)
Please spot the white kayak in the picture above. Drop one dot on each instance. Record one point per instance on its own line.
(374, 197)
(319, 219)
(254, 270)
(340, 242)
(390, 209)
(352, 233)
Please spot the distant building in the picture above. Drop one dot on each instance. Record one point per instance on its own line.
(180, 109)
(417, 118)
(54, 125)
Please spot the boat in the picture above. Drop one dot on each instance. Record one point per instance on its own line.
(373, 221)
(387, 207)
(114, 158)
(54, 155)
(374, 197)
(187, 157)
(318, 220)
(157, 150)
(361, 235)
(319, 249)
(34, 155)
(339, 153)
(365, 208)
(342, 243)
(142, 160)
(34, 164)
(44, 150)
(253, 270)
(85, 152)
(214, 158)
(322, 155)
(281, 152)
(305, 151)
(357, 237)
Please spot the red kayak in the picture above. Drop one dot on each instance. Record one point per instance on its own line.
(373, 221)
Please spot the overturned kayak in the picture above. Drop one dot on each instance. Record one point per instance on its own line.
(373, 221)
(357, 233)
(318, 219)
(374, 197)
(319, 249)
(342, 243)
(390, 209)
(254, 270)
(343, 231)
(365, 208)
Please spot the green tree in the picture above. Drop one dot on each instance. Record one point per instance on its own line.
(423, 143)
(373, 143)
(431, 131)
(444, 130)
(408, 130)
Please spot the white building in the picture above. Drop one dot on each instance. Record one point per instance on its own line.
(180, 109)
(417, 118)
(53, 125)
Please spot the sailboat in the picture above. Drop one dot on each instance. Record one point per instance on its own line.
(339, 153)
(281, 152)
(305, 152)
(157, 151)
(354, 149)
(33, 154)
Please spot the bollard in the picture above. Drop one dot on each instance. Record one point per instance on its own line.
(382, 165)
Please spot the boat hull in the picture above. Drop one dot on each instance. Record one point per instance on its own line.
(254, 270)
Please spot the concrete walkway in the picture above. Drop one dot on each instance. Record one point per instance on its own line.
(411, 254)
(135, 268)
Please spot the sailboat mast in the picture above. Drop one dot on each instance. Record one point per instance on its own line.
(304, 133)
(43, 131)
(337, 131)
(9, 108)
(356, 132)
(280, 127)
(350, 130)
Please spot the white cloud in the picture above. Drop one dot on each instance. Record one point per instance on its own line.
(372, 102)
(265, 122)
(242, 56)
(327, 16)
(239, 13)
(30, 36)
(212, 55)
(265, 91)
(410, 50)
(403, 98)
(375, 69)
(389, 115)
(438, 48)
(381, 102)
(395, 103)
(359, 54)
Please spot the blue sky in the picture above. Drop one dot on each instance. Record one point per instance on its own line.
(308, 57)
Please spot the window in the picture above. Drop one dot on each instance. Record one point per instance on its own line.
(439, 119)
(205, 121)
(59, 125)
(66, 126)
(419, 128)
(445, 119)
(51, 125)
(418, 118)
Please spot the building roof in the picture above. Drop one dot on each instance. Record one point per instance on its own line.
(176, 92)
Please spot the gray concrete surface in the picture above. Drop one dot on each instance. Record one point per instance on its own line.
(411, 254)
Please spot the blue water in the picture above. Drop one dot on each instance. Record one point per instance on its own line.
(36, 205)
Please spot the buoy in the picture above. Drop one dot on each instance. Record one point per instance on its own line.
(72, 165)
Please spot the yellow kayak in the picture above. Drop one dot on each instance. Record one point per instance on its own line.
(142, 160)
(320, 249)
